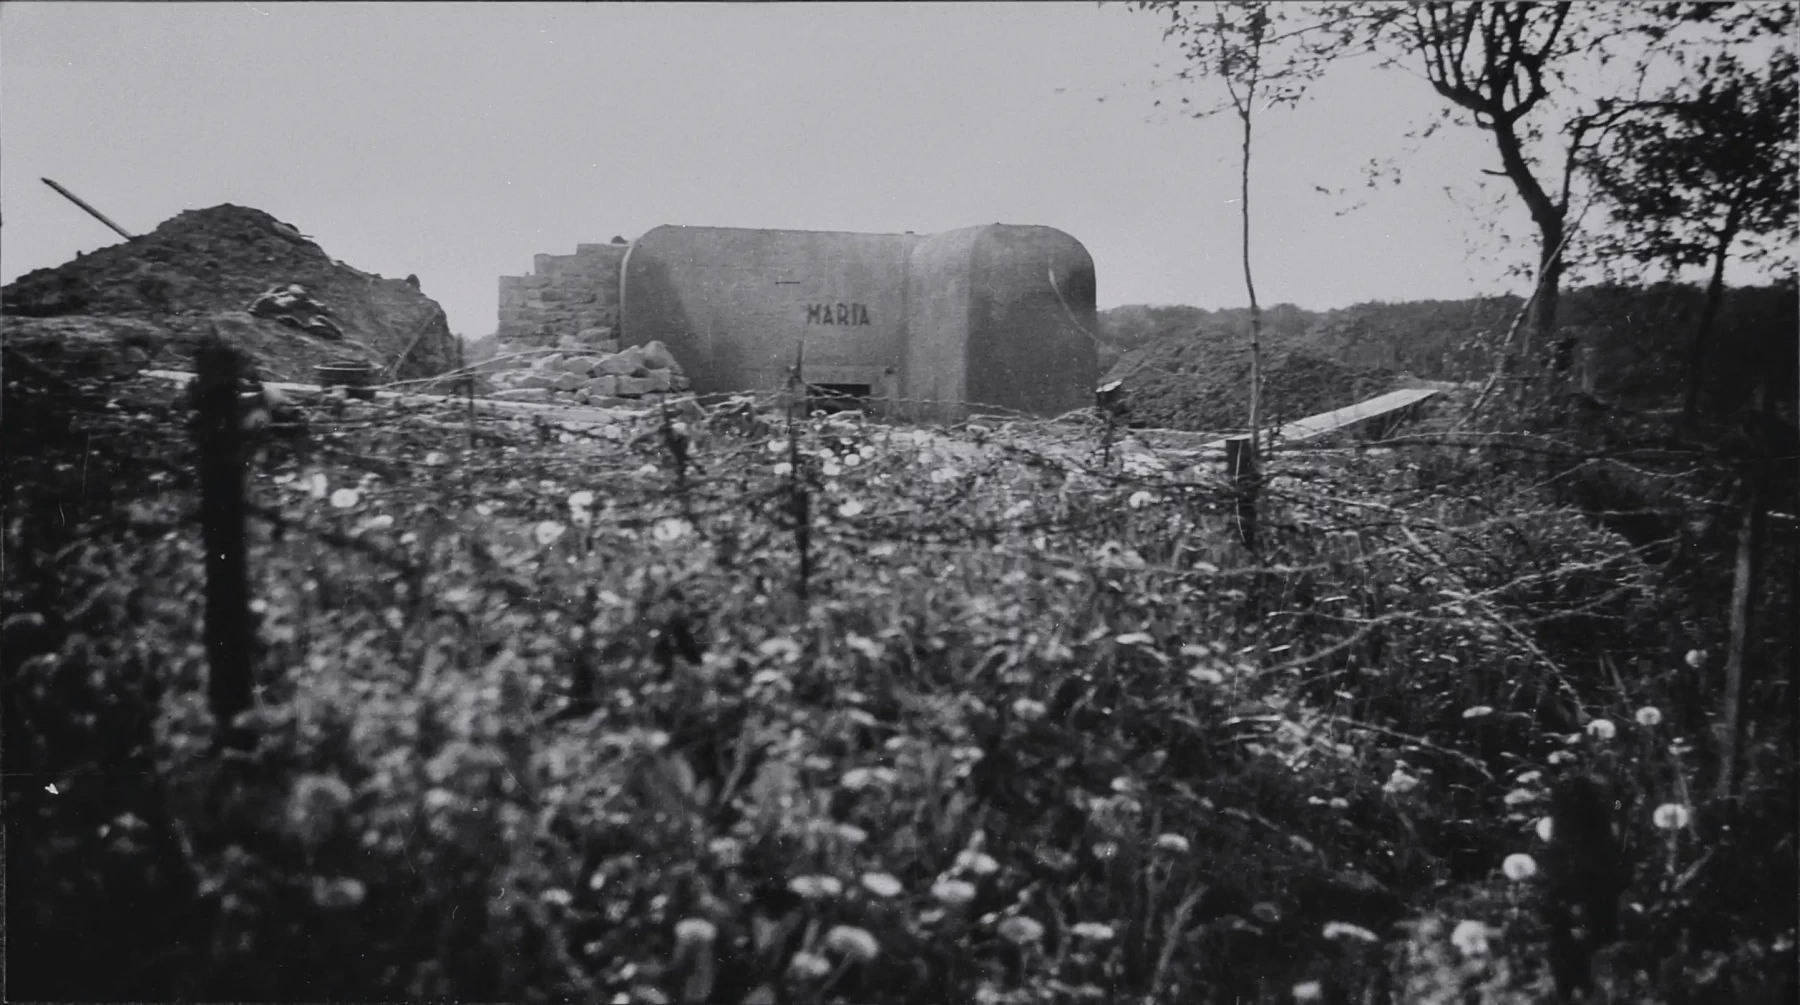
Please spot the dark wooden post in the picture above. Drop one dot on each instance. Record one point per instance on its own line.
(219, 433)
(1240, 461)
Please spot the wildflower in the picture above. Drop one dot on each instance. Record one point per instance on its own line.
(1602, 729)
(580, 502)
(809, 966)
(979, 863)
(317, 486)
(1649, 715)
(1559, 757)
(1338, 803)
(728, 850)
(1345, 930)
(850, 507)
(1517, 796)
(695, 931)
(1105, 850)
(1265, 912)
(1545, 828)
(881, 884)
(953, 891)
(783, 469)
(1471, 938)
(1477, 711)
(1092, 930)
(1020, 930)
(862, 778)
(380, 522)
(315, 804)
(778, 446)
(436, 458)
(853, 942)
(1307, 992)
(1530, 778)
(670, 529)
(816, 887)
(1671, 816)
(1173, 842)
(1695, 657)
(334, 894)
(345, 498)
(1029, 709)
(1140, 499)
(1519, 867)
(830, 469)
(557, 897)
(1399, 782)
(546, 532)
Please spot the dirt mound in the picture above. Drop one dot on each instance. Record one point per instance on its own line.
(1201, 380)
(207, 269)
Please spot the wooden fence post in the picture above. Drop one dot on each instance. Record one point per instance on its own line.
(1240, 462)
(219, 434)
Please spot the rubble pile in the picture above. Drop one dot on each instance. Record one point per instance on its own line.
(600, 374)
(260, 283)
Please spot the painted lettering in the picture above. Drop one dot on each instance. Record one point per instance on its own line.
(837, 314)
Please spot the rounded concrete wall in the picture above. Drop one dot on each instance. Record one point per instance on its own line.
(1032, 319)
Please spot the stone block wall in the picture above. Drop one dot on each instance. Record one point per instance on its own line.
(566, 299)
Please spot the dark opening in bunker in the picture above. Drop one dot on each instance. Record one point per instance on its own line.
(837, 397)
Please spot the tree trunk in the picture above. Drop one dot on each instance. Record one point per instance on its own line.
(1250, 287)
(1550, 218)
(1715, 294)
(1245, 470)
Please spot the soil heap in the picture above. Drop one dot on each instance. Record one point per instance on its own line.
(1201, 381)
(257, 281)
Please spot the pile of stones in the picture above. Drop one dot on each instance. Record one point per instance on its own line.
(590, 376)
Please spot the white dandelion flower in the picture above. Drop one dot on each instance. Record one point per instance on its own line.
(1671, 816)
(1345, 930)
(853, 942)
(670, 529)
(1519, 867)
(1020, 930)
(953, 891)
(1471, 938)
(546, 532)
(816, 887)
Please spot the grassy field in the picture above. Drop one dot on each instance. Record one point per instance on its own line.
(727, 706)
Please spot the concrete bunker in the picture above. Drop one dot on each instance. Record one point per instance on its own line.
(991, 318)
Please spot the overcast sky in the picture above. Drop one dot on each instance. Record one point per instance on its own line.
(457, 140)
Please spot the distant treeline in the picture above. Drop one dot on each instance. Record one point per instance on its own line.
(1633, 339)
